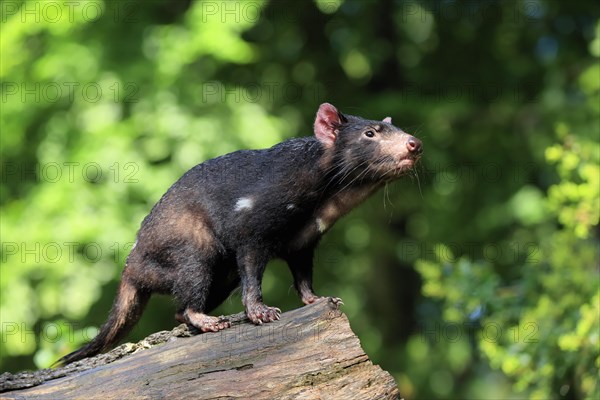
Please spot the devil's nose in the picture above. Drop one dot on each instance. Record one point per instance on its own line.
(414, 145)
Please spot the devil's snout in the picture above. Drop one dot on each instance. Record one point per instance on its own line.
(414, 145)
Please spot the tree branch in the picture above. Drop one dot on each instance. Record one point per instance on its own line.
(310, 353)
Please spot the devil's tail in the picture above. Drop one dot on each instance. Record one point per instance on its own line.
(125, 313)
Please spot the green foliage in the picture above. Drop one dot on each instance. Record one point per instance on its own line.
(475, 278)
(87, 151)
(540, 326)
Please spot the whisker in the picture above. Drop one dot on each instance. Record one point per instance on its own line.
(418, 183)
(358, 177)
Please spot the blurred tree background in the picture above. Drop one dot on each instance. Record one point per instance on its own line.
(477, 277)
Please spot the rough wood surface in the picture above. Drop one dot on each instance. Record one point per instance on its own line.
(311, 353)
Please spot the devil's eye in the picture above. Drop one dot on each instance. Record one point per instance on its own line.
(369, 134)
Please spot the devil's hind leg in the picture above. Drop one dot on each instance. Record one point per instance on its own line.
(193, 288)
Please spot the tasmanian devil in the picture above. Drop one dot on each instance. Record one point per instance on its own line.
(224, 219)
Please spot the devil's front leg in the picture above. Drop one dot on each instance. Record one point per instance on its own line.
(301, 265)
(251, 265)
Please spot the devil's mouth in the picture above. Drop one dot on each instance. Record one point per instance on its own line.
(394, 168)
(406, 163)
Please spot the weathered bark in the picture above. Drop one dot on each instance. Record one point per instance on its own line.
(311, 353)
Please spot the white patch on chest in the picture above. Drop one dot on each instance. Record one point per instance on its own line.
(321, 225)
(290, 206)
(244, 203)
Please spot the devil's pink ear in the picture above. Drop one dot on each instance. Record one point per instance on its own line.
(326, 124)
(387, 120)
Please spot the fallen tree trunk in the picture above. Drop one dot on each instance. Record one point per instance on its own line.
(311, 353)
